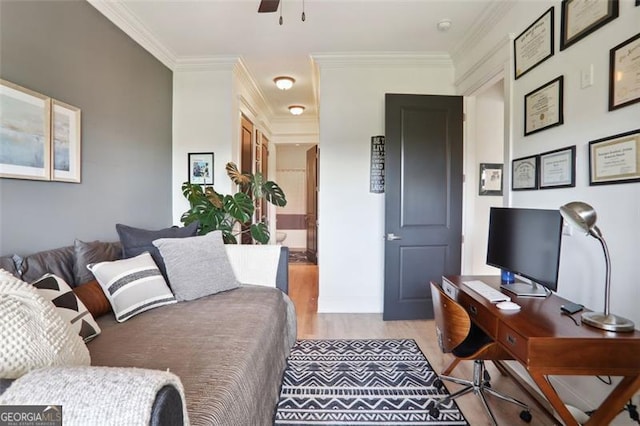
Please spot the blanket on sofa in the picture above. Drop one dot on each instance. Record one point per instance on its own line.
(94, 395)
(229, 350)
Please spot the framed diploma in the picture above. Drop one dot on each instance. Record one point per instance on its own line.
(558, 168)
(524, 173)
(543, 107)
(582, 17)
(624, 73)
(534, 45)
(490, 179)
(615, 159)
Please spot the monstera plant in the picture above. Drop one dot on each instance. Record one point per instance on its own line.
(232, 214)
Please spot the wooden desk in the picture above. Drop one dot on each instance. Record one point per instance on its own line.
(548, 343)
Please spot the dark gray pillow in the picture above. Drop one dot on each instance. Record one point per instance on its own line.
(136, 241)
(197, 266)
(92, 252)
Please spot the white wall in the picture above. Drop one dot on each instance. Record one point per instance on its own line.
(351, 228)
(585, 118)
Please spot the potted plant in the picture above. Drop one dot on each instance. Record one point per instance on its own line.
(232, 214)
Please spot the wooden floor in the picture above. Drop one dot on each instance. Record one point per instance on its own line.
(303, 290)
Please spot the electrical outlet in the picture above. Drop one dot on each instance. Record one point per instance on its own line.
(586, 77)
(567, 229)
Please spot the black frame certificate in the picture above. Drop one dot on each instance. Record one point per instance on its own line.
(524, 173)
(558, 168)
(534, 45)
(624, 73)
(582, 17)
(543, 107)
(615, 159)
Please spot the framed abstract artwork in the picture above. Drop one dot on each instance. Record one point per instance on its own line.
(65, 142)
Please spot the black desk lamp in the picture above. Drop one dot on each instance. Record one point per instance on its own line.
(583, 216)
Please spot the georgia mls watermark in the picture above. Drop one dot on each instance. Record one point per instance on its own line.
(30, 415)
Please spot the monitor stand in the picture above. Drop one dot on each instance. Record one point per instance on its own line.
(524, 289)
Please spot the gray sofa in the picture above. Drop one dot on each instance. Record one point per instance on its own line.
(229, 349)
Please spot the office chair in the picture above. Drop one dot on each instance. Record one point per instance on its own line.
(458, 335)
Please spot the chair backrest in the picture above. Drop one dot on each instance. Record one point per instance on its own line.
(452, 320)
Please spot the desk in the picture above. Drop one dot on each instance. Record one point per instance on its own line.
(547, 343)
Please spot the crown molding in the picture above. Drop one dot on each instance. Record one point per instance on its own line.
(248, 81)
(382, 59)
(123, 18)
(206, 63)
(490, 17)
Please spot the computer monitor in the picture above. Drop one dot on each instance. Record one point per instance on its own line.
(526, 242)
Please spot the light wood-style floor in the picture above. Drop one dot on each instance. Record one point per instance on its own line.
(303, 290)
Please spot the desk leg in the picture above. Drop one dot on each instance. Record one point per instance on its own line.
(553, 398)
(611, 406)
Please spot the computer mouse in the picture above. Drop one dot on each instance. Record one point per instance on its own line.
(508, 306)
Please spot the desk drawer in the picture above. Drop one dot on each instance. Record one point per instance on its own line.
(513, 341)
(479, 314)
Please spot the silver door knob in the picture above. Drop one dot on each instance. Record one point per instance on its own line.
(392, 237)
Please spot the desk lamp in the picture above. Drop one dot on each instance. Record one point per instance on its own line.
(583, 216)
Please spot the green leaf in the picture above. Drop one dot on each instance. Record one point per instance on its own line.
(239, 206)
(260, 232)
(274, 194)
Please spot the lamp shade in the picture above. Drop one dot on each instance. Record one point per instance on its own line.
(579, 214)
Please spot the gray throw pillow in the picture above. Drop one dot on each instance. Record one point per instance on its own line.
(92, 252)
(197, 266)
(136, 241)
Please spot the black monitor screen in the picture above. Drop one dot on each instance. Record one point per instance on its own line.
(526, 242)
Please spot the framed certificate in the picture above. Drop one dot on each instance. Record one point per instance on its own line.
(624, 73)
(582, 17)
(490, 179)
(534, 45)
(558, 168)
(543, 107)
(524, 173)
(615, 159)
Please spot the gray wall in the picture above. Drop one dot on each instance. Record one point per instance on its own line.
(69, 51)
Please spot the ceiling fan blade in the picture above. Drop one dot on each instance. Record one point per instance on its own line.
(268, 6)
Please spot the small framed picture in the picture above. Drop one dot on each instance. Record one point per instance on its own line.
(534, 45)
(615, 159)
(65, 142)
(524, 173)
(490, 179)
(582, 17)
(558, 168)
(543, 107)
(624, 73)
(201, 168)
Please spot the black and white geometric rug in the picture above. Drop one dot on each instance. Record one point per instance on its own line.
(361, 382)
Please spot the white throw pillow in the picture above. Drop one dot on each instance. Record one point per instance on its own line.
(197, 266)
(132, 285)
(32, 332)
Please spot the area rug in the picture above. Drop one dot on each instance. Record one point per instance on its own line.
(361, 382)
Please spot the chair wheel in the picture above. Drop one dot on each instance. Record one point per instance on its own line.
(434, 412)
(438, 383)
(487, 376)
(526, 416)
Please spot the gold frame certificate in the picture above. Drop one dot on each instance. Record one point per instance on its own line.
(543, 107)
(615, 159)
(534, 45)
(624, 73)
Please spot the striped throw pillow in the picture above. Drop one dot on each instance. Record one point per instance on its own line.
(132, 285)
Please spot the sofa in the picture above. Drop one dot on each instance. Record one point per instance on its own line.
(228, 350)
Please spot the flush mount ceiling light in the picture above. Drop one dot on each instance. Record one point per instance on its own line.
(296, 109)
(284, 83)
(444, 25)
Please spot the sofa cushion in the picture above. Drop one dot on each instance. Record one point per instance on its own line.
(132, 285)
(93, 297)
(197, 266)
(34, 334)
(58, 261)
(7, 263)
(92, 252)
(70, 308)
(136, 241)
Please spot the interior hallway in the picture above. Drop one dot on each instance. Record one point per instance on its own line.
(303, 290)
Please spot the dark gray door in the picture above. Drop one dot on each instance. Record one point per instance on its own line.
(423, 200)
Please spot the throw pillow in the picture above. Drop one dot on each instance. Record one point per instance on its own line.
(32, 333)
(197, 266)
(132, 285)
(136, 241)
(70, 308)
(92, 252)
(93, 297)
